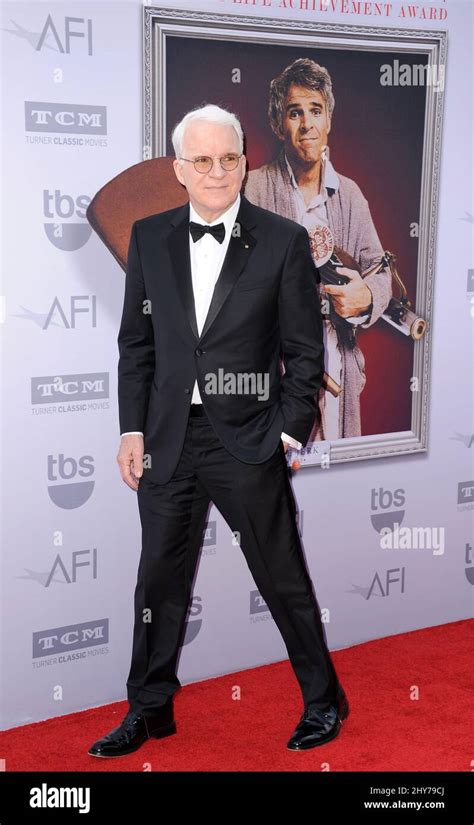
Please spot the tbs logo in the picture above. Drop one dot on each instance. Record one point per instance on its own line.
(64, 490)
(61, 212)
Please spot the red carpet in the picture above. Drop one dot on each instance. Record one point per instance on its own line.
(386, 729)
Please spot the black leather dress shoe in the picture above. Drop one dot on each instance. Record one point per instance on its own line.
(134, 730)
(316, 727)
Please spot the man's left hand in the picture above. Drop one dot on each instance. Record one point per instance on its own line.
(295, 465)
(349, 299)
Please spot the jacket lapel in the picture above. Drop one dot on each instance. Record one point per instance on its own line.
(238, 252)
(240, 247)
(178, 244)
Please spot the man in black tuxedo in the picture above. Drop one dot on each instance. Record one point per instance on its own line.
(216, 292)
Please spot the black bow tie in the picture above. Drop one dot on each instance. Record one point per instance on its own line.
(197, 230)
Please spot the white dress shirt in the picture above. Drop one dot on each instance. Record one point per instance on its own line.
(207, 256)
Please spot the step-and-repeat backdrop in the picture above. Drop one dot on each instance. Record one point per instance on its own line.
(73, 116)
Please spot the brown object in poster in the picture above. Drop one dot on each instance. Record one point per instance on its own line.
(141, 190)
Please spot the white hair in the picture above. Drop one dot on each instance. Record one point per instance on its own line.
(211, 113)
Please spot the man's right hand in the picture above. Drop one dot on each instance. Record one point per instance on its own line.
(130, 459)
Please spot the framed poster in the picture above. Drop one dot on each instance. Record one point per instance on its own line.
(343, 131)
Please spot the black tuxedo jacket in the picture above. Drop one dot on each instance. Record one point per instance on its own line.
(264, 307)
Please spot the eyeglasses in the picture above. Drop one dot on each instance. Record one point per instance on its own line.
(205, 163)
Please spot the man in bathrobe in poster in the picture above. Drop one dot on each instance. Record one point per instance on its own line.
(302, 184)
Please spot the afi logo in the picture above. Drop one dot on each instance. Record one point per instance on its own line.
(74, 28)
(382, 584)
(79, 558)
(59, 316)
(66, 571)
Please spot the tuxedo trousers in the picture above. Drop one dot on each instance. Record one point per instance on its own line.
(257, 502)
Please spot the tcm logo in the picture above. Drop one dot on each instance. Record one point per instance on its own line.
(382, 584)
(71, 637)
(210, 534)
(65, 118)
(62, 37)
(47, 389)
(210, 539)
(66, 570)
(193, 624)
(65, 492)
(383, 516)
(80, 306)
(61, 229)
(465, 492)
(257, 603)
